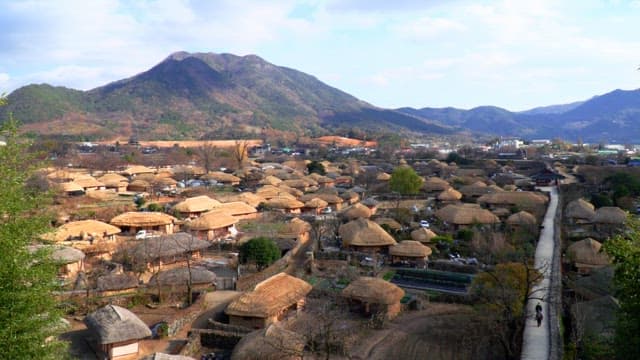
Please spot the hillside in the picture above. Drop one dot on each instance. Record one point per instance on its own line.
(612, 117)
(204, 95)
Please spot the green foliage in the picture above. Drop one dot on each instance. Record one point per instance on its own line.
(28, 313)
(465, 235)
(599, 200)
(624, 250)
(316, 167)
(155, 207)
(405, 180)
(261, 250)
(389, 275)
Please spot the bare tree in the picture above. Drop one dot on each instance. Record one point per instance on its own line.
(240, 152)
(207, 153)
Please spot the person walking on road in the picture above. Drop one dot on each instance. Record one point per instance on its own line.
(539, 316)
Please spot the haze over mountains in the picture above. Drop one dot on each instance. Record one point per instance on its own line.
(223, 95)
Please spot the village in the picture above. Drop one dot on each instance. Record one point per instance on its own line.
(156, 259)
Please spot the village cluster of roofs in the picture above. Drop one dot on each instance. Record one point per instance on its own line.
(159, 242)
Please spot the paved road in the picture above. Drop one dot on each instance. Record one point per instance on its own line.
(536, 339)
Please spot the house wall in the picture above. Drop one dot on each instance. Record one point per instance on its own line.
(249, 322)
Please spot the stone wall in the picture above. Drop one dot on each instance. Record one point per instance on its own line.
(556, 345)
(186, 317)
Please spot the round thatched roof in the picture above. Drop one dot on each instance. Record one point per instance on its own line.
(450, 194)
(610, 215)
(522, 218)
(115, 324)
(113, 180)
(272, 343)
(282, 202)
(66, 254)
(114, 282)
(478, 189)
(269, 296)
(167, 245)
(137, 169)
(383, 176)
(82, 228)
(71, 186)
(410, 248)
(270, 180)
(518, 198)
(87, 181)
(293, 229)
(214, 219)
(247, 197)
(588, 252)
(466, 215)
(373, 291)
(139, 219)
(138, 185)
(391, 223)
(580, 209)
(236, 208)
(180, 277)
(350, 196)
(270, 191)
(356, 211)
(362, 232)
(422, 235)
(433, 184)
(290, 190)
(221, 177)
(196, 204)
(316, 203)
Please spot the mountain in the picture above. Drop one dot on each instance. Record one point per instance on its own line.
(553, 109)
(204, 95)
(612, 117)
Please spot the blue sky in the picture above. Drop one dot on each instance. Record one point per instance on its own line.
(511, 53)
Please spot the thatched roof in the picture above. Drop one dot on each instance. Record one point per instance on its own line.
(272, 343)
(362, 232)
(270, 180)
(62, 175)
(180, 276)
(501, 212)
(580, 209)
(138, 185)
(450, 194)
(316, 203)
(588, 252)
(66, 254)
(189, 170)
(270, 296)
(284, 203)
(422, 235)
(270, 191)
(522, 218)
(115, 324)
(299, 184)
(80, 229)
(373, 291)
(196, 204)
(410, 248)
(137, 169)
(518, 198)
(610, 215)
(350, 196)
(466, 215)
(167, 245)
(391, 223)
(356, 211)
(293, 229)
(383, 176)
(139, 219)
(478, 189)
(214, 219)
(71, 186)
(433, 184)
(114, 282)
(247, 197)
(222, 177)
(292, 191)
(236, 208)
(87, 181)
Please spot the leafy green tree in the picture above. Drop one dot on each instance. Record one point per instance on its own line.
(405, 180)
(261, 251)
(29, 319)
(316, 167)
(624, 250)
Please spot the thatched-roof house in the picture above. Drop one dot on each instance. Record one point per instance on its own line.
(579, 211)
(177, 278)
(314, 206)
(271, 343)
(139, 185)
(195, 206)
(609, 219)
(292, 232)
(350, 197)
(113, 284)
(374, 296)
(238, 209)
(84, 230)
(114, 181)
(459, 216)
(222, 177)
(423, 235)
(285, 204)
(168, 249)
(213, 225)
(270, 180)
(410, 252)
(246, 197)
(89, 183)
(71, 189)
(449, 196)
(389, 223)
(524, 200)
(269, 303)
(117, 331)
(356, 211)
(365, 235)
(587, 254)
(70, 260)
(133, 221)
(522, 220)
(435, 185)
(474, 191)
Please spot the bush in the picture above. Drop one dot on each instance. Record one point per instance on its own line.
(154, 207)
(261, 250)
(465, 235)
